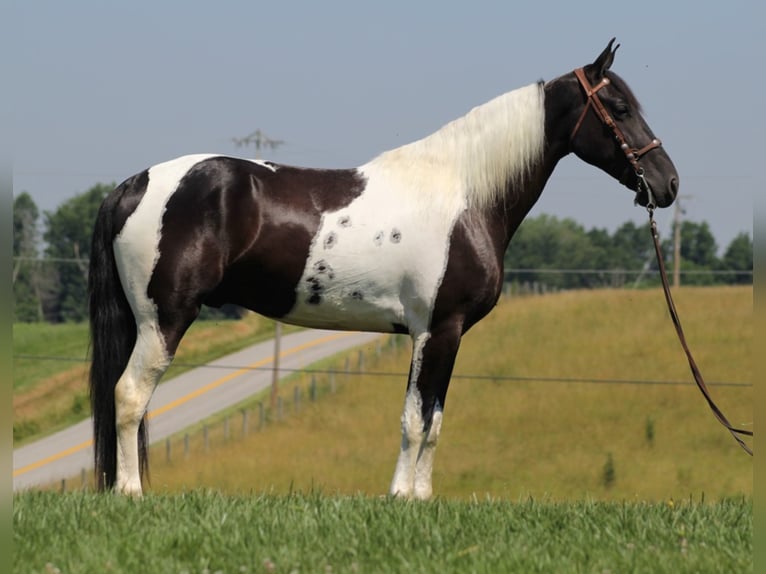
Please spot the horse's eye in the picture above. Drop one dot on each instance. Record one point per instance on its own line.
(621, 109)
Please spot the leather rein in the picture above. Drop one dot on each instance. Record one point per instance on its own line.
(633, 155)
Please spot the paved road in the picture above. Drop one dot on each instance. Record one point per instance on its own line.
(183, 400)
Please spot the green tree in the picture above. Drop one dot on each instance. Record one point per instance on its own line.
(68, 234)
(739, 257)
(698, 253)
(26, 275)
(546, 242)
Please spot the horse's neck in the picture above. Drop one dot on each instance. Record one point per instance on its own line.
(558, 127)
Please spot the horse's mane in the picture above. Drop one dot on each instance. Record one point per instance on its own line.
(478, 155)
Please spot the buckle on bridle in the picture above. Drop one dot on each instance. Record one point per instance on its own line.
(643, 185)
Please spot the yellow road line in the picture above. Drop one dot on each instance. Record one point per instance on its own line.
(186, 398)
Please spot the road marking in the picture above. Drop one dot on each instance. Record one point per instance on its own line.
(186, 398)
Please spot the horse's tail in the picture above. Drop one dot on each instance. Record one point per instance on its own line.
(112, 336)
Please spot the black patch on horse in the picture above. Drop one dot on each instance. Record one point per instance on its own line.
(237, 232)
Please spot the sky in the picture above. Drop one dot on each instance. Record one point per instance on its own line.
(103, 90)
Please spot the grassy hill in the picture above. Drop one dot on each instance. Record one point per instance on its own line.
(553, 425)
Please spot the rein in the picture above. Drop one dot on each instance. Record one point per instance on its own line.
(735, 432)
(633, 155)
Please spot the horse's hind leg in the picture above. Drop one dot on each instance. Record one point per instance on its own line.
(146, 365)
(433, 356)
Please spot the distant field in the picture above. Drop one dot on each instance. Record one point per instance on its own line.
(581, 435)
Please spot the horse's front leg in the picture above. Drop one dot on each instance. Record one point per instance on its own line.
(433, 356)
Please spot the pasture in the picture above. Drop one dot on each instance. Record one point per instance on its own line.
(593, 399)
(551, 466)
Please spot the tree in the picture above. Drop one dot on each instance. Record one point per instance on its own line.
(68, 234)
(698, 252)
(546, 242)
(26, 275)
(739, 257)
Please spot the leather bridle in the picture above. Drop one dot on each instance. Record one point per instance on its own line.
(632, 154)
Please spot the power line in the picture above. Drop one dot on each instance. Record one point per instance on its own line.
(510, 270)
(399, 375)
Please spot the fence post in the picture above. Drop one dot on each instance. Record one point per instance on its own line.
(167, 450)
(63, 485)
(360, 363)
(244, 423)
(313, 389)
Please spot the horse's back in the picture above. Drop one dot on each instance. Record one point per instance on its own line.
(343, 249)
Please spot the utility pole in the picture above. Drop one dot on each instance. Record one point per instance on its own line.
(260, 140)
(677, 241)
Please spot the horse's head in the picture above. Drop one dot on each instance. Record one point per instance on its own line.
(611, 133)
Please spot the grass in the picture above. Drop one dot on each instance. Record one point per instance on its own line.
(203, 531)
(50, 394)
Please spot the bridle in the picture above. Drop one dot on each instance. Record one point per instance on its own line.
(632, 154)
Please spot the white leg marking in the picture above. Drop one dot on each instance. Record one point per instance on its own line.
(425, 463)
(134, 389)
(403, 483)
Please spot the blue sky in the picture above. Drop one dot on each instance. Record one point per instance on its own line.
(104, 89)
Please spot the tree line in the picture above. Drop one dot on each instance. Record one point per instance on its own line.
(51, 251)
(562, 254)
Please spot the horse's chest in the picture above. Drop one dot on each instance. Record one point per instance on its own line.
(372, 265)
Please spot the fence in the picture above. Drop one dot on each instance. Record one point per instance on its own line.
(55, 288)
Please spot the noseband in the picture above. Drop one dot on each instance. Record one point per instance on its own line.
(632, 154)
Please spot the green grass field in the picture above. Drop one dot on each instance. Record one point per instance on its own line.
(531, 475)
(204, 531)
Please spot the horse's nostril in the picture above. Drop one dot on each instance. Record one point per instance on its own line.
(674, 186)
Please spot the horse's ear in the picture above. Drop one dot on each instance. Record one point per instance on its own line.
(605, 59)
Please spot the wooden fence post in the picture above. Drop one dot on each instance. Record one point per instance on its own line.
(313, 389)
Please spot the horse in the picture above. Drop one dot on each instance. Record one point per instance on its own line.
(411, 242)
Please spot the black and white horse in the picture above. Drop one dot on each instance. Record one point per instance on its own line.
(411, 242)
